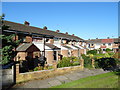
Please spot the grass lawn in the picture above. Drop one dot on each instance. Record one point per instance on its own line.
(106, 80)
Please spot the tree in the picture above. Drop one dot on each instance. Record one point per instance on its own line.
(8, 46)
(108, 50)
(94, 52)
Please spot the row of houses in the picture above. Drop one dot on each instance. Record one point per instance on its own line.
(40, 41)
(53, 44)
(111, 43)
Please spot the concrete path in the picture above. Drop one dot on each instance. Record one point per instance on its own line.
(58, 80)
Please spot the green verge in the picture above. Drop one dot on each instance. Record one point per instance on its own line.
(106, 80)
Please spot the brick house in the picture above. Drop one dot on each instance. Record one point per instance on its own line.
(54, 43)
(111, 43)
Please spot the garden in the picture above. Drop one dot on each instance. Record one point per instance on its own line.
(108, 60)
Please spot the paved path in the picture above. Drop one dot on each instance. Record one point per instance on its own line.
(58, 80)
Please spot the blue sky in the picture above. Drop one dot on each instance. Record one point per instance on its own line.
(84, 19)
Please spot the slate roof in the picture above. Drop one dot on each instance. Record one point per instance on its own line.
(51, 46)
(67, 47)
(23, 47)
(76, 46)
(101, 40)
(31, 29)
(93, 41)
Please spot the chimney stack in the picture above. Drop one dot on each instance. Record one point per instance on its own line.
(57, 31)
(26, 23)
(96, 38)
(73, 35)
(45, 27)
(66, 33)
(108, 37)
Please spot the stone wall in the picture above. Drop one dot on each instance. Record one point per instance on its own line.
(22, 77)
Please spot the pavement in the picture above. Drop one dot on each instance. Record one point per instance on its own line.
(58, 80)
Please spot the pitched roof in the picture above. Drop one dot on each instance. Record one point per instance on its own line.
(77, 47)
(51, 46)
(111, 40)
(94, 41)
(23, 47)
(31, 29)
(67, 47)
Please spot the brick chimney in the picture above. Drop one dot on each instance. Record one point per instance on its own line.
(57, 31)
(66, 33)
(26, 23)
(73, 35)
(45, 27)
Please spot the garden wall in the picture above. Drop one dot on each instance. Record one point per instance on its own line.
(22, 77)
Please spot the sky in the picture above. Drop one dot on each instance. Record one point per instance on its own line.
(87, 20)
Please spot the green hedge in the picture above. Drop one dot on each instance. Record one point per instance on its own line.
(68, 61)
(87, 61)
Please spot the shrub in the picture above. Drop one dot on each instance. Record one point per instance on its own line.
(38, 68)
(108, 50)
(76, 63)
(106, 63)
(94, 52)
(68, 61)
(87, 61)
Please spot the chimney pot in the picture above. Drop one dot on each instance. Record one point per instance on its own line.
(57, 30)
(44, 27)
(26, 23)
(96, 38)
(72, 34)
(66, 33)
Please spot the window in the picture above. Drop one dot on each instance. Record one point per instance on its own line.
(92, 44)
(69, 52)
(103, 43)
(109, 44)
(47, 40)
(54, 55)
(103, 49)
(88, 45)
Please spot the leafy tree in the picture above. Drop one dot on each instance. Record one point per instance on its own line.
(108, 50)
(94, 52)
(8, 46)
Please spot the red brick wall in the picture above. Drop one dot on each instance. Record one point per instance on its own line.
(28, 39)
(65, 53)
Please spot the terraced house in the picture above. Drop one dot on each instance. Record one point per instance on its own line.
(111, 43)
(40, 41)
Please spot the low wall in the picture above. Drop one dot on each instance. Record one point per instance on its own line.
(22, 77)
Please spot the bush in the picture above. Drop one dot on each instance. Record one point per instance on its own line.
(94, 52)
(108, 50)
(105, 63)
(68, 61)
(38, 68)
(76, 63)
(87, 61)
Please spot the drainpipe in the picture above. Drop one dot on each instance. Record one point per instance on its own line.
(44, 46)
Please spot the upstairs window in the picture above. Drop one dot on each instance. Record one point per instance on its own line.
(109, 44)
(92, 44)
(103, 43)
